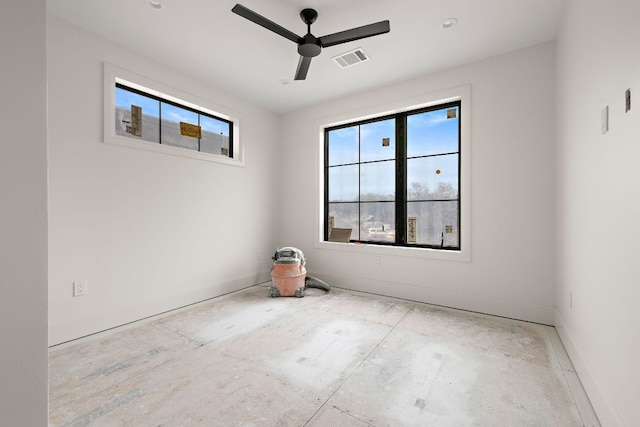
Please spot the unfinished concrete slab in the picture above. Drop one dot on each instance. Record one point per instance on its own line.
(328, 359)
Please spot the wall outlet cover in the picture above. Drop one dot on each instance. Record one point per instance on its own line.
(79, 288)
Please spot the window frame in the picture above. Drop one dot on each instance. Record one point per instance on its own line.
(182, 106)
(460, 94)
(114, 76)
(401, 161)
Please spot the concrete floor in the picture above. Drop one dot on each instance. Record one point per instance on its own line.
(328, 359)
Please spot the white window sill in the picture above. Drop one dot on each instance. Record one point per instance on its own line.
(400, 251)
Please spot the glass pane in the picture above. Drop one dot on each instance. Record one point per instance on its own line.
(436, 223)
(170, 133)
(343, 146)
(377, 141)
(345, 215)
(215, 136)
(433, 132)
(343, 183)
(378, 181)
(150, 113)
(432, 178)
(377, 221)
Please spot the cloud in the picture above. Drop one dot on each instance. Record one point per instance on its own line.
(431, 119)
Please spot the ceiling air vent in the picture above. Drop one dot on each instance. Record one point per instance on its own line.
(350, 58)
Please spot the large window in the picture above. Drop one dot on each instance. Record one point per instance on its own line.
(151, 118)
(395, 180)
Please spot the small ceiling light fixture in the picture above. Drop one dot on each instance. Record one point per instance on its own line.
(156, 4)
(448, 23)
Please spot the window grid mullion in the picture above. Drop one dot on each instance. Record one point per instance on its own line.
(200, 126)
(401, 179)
(359, 182)
(160, 121)
(326, 186)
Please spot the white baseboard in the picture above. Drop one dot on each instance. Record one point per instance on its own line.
(537, 313)
(104, 321)
(600, 398)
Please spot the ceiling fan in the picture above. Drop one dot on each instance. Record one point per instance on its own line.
(309, 45)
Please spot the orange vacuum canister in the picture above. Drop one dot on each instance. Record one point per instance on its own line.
(288, 273)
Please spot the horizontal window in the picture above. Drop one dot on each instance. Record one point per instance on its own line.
(145, 114)
(148, 117)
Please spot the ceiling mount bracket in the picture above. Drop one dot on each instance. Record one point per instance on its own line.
(308, 16)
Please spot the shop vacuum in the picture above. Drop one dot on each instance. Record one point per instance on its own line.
(289, 277)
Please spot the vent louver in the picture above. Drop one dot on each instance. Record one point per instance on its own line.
(351, 58)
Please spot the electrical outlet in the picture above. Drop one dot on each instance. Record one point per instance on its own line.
(376, 261)
(79, 288)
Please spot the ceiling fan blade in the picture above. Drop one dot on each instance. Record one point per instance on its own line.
(303, 67)
(355, 34)
(264, 22)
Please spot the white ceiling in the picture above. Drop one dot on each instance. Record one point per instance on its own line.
(204, 39)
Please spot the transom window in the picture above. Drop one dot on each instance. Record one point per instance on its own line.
(395, 180)
(144, 116)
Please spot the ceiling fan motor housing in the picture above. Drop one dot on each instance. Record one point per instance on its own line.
(309, 46)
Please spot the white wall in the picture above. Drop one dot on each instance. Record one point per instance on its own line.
(598, 202)
(512, 266)
(149, 232)
(112, 225)
(23, 214)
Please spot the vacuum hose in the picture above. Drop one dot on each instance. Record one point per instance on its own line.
(314, 282)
